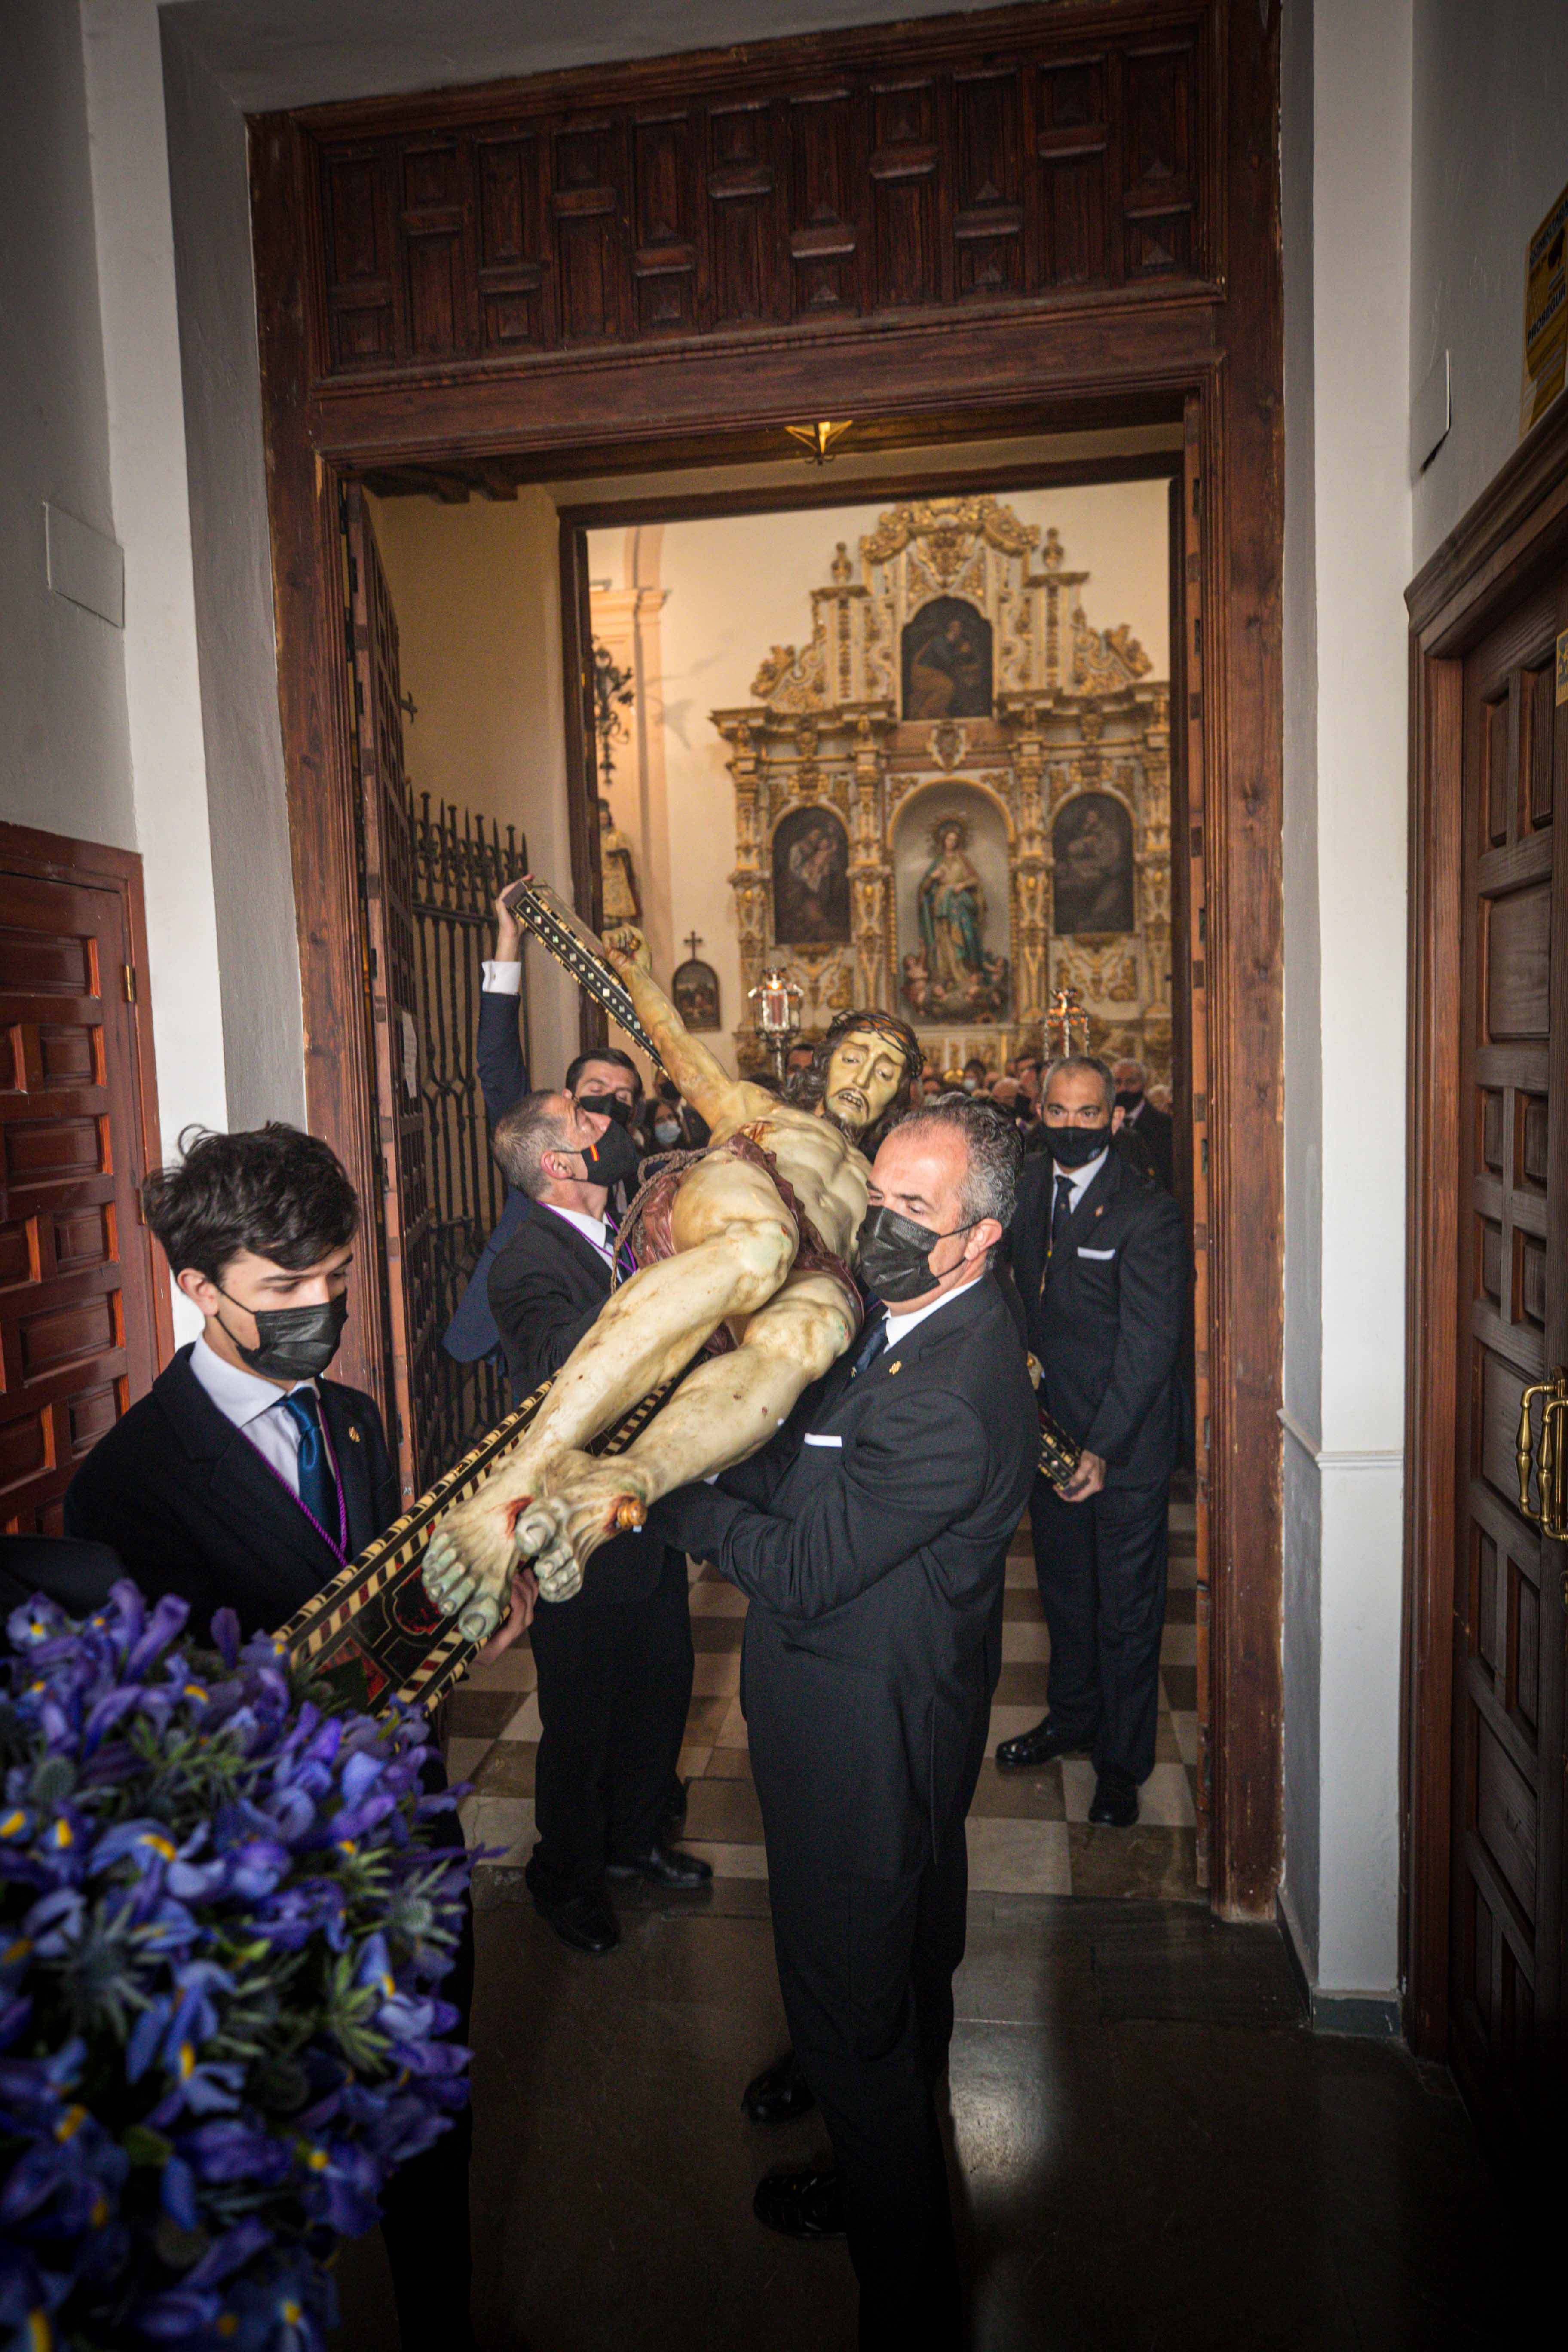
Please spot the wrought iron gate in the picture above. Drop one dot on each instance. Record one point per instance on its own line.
(461, 861)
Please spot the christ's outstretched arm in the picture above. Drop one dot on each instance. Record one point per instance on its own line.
(723, 1101)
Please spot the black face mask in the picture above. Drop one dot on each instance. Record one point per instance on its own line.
(1075, 1146)
(606, 1107)
(296, 1343)
(1128, 1098)
(895, 1256)
(613, 1159)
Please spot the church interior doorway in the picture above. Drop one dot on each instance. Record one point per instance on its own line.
(914, 749)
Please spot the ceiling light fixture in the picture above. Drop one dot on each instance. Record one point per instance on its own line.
(819, 441)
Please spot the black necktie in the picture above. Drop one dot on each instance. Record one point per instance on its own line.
(1061, 1210)
(318, 1486)
(873, 1340)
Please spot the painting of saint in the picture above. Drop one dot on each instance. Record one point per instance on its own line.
(1092, 854)
(811, 880)
(694, 991)
(947, 661)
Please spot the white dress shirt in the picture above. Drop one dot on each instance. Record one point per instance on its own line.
(1079, 1178)
(502, 979)
(900, 1325)
(593, 1229)
(251, 1402)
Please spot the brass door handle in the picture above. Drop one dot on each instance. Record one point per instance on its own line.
(1551, 1463)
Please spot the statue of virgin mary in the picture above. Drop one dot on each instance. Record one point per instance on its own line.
(951, 912)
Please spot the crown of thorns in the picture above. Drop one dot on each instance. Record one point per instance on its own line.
(880, 1024)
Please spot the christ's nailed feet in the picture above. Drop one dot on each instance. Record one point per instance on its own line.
(469, 1560)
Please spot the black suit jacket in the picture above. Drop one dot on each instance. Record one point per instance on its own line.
(546, 1289)
(1153, 1129)
(503, 1078)
(1107, 1317)
(190, 1507)
(871, 1537)
(79, 1576)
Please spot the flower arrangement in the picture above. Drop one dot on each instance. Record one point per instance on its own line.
(221, 1923)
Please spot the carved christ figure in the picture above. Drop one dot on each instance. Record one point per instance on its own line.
(744, 1247)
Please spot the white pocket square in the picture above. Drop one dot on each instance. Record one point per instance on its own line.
(818, 1437)
(1100, 1253)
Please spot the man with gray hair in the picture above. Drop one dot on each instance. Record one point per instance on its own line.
(1142, 1118)
(871, 1539)
(1100, 1255)
(615, 1663)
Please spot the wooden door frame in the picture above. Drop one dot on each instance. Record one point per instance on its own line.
(1212, 351)
(94, 865)
(1516, 533)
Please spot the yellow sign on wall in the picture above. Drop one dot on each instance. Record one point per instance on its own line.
(1545, 315)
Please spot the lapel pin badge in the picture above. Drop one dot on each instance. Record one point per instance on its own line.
(354, 1433)
(896, 1366)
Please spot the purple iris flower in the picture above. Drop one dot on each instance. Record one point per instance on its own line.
(226, 1637)
(181, 2033)
(228, 2150)
(167, 1619)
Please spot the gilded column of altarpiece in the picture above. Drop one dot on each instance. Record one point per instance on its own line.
(955, 796)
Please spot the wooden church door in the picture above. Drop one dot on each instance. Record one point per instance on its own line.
(1510, 1581)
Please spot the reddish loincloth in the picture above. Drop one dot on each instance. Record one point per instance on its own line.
(648, 1233)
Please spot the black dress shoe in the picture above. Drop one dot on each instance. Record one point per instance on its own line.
(778, 2094)
(585, 1921)
(1115, 1805)
(664, 1866)
(800, 2204)
(1033, 1749)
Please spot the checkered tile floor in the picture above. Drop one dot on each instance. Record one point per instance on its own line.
(1029, 1833)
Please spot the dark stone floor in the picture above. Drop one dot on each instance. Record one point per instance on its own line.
(1156, 2153)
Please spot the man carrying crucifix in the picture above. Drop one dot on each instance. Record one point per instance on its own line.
(746, 1249)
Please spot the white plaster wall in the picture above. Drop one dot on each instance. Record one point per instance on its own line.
(476, 590)
(253, 885)
(65, 750)
(1489, 156)
(299, 52)
(1349, 558)
(147, 457)
(735, 587)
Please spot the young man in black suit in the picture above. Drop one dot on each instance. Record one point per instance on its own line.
(245, 1479)
(616, 1663)
(609, 1079)
(1101, 1256)
(871, 1538)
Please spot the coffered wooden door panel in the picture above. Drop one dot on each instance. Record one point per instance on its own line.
(1506, 1919)
(78, 1321)
(994, 163)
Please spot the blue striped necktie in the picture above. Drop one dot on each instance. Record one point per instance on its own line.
(873, 1340)
(318, 1485)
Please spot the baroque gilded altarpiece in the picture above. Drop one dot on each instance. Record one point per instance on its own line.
(1074, 716)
